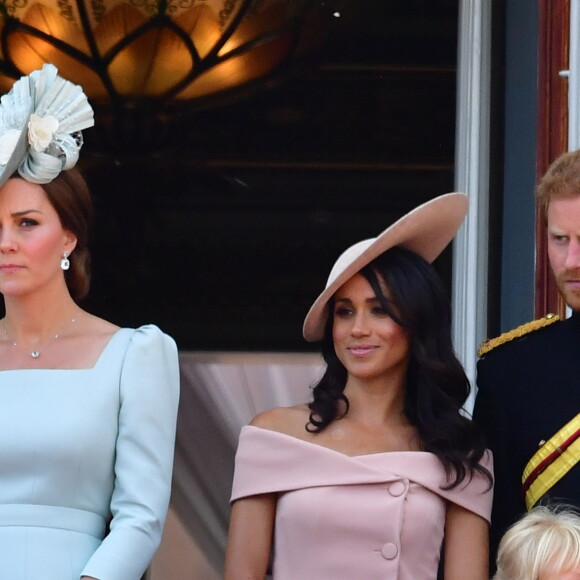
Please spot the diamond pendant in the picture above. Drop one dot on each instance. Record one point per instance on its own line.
(35, 354)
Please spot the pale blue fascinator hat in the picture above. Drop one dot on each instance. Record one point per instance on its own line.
(41, 119)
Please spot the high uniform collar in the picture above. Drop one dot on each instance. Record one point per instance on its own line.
(575, 319)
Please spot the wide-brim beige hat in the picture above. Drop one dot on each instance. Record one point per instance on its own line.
(426, 230)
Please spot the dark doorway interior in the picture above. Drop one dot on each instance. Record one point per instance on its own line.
(225, 239)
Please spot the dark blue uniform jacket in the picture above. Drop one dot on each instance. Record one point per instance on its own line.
(528, 389)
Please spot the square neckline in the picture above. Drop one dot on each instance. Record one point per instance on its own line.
(97, 363)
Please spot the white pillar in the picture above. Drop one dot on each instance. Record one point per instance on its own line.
(574, 78)
(470, 272)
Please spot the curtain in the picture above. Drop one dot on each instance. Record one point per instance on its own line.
(221, 392)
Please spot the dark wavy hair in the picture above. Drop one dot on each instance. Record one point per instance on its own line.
(436, 384)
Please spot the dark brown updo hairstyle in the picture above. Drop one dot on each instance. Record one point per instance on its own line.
(69, 195)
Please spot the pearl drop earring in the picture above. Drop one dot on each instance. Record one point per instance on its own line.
(65, 262)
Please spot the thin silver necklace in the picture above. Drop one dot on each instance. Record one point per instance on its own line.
(36, 353)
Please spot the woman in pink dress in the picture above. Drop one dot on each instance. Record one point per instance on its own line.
(380, 476)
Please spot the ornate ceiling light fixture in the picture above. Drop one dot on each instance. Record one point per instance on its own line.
(127, 51)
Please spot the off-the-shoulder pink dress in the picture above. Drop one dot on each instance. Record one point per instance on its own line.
(369, 517)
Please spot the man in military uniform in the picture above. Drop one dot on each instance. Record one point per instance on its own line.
(528, 403)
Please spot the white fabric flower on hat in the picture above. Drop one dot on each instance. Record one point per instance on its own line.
(49, 112)
(8, 143)
(41, 131)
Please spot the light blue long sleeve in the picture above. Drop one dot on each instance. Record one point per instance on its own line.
(148, 400)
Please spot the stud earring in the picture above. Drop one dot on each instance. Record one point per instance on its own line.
(65, 262)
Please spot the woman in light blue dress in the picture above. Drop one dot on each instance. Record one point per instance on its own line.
(87, 409)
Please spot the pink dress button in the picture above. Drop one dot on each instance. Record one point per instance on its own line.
(397, 488)
(389, 551)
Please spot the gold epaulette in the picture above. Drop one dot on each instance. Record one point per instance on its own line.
(491, 343)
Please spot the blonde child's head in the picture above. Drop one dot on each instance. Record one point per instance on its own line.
(543, 545)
